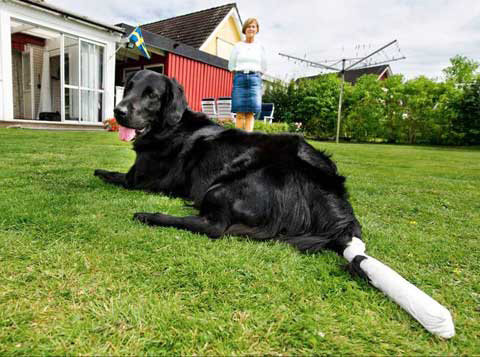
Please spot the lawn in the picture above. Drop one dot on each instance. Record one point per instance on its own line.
(78, 276)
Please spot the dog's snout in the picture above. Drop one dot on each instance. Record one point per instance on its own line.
(120, 112)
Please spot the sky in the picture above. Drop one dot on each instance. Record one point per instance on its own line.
(429, 32)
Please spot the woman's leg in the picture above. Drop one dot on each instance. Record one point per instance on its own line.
(249, 122)
(240, 121)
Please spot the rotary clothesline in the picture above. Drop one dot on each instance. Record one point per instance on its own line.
(347, 65)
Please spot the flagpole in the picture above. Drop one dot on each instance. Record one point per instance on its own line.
(139, 43)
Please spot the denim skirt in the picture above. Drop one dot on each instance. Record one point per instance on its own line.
(247, 93)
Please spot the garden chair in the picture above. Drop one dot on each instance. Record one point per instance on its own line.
(209, 108)
(267, 112)
(224, 109)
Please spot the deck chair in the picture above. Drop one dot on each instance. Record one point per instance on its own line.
(209, 107)
(267, 112)
(224, 109)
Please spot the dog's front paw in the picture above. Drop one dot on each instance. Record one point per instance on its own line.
(141, 217)
(98, 172)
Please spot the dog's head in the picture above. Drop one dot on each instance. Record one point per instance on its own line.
(150, 99)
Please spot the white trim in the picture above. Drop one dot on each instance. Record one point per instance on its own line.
(32, 83)
(84, 88)
(49, 20)
(388, 70)
(233, 12)
(72, 122)
(80, 114)
(62, 77)
(69, 15)
(6, 80)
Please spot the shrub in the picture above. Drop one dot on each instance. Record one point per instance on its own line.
(271, 128)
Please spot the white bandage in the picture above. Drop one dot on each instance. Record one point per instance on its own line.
(433, 316)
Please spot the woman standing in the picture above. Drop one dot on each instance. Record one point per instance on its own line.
(248, 63)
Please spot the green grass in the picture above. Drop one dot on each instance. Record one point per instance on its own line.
(78, 276)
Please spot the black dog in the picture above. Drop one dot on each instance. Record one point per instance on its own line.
(249, 184)
(256, 185)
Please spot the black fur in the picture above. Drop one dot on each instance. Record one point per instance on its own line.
(354, 267)
(250, 184)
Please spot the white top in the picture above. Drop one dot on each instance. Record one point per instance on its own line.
(248, 57)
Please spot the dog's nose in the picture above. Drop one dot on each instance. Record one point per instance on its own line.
(120, 112)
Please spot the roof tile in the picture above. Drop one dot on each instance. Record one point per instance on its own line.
(192, 29)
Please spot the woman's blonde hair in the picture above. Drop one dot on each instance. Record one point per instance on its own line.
(248, 22)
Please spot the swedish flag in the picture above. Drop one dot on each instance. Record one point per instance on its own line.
(137, 38)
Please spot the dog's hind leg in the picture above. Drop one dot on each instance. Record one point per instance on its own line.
(196, 224)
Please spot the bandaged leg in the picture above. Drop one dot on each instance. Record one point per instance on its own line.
(433, 316)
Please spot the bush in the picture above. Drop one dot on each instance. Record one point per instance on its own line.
(310, 103)
(273, 128)
(416, 111)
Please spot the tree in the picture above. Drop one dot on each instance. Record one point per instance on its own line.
(279, 94)
(366, 113)
(461, 70)
(421, 97)
(318, 105)
(466, 126)
(394, 87)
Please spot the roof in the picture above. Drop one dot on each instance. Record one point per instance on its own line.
(70, 15)
(354, 74)
(167, 44)
(192, 29)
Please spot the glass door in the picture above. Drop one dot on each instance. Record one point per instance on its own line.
(71, 65)
(84, 84)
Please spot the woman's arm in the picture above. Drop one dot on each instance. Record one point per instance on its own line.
(232, 63)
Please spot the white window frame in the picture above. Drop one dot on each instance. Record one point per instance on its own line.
(79, 87)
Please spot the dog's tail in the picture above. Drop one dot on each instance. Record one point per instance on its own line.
(428, 312)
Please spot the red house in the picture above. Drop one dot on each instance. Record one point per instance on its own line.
(195, 52)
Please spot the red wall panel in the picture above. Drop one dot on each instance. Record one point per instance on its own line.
(198, 79)
(19, 40)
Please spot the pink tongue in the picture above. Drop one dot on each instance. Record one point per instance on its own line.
(126, 134)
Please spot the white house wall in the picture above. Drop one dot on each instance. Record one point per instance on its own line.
(6, 91)
(61, 24)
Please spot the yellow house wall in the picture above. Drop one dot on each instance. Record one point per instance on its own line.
(227, 32)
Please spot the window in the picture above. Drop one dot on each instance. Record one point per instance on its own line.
(128, 71)
(155, 67)
(84, 85)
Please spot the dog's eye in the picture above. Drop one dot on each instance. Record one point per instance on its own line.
(149, 92)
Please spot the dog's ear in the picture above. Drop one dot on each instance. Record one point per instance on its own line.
(175, 102)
